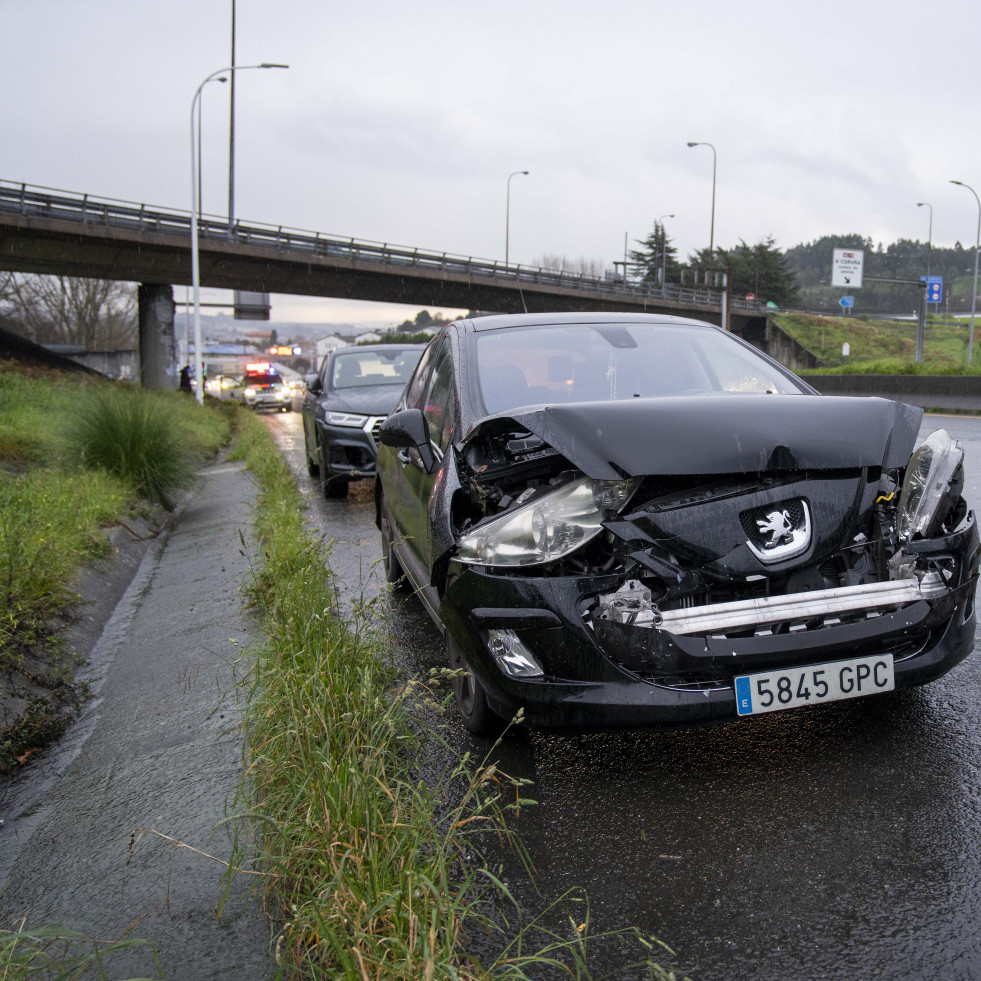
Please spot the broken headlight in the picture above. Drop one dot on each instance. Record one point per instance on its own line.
(548, 527)
(927, 487)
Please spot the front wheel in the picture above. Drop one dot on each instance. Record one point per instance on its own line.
(394, 574)
(329, 486)
(313, 466)
(470, 696)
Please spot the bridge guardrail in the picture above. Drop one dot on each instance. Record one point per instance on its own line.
(44, 202)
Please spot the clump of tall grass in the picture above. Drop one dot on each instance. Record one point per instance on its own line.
(133, 435)
(371, 849)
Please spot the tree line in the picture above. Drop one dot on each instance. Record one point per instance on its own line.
(801, 276)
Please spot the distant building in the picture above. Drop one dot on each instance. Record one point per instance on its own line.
(325, 345)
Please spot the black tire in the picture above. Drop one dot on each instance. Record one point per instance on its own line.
(394, 573)
(470, 697)
(313, 467)
(330, 486)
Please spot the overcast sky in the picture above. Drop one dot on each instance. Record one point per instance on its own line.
(400, 122)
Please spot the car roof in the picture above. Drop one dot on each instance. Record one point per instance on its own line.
(497, 321)
(355, 348)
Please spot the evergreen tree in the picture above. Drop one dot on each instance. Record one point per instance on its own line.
(761, 270)
(656, 252)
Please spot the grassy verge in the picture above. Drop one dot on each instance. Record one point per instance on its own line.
(881, 346)
(77, 456)
(372, 861)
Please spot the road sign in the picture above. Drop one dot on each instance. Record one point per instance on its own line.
(847, 301)
(934, 288)
(251, 306)
(846, 268)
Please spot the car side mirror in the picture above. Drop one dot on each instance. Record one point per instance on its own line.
(408, 429)
(312, 380)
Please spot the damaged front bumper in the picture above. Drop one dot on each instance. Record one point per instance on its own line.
(647, 668)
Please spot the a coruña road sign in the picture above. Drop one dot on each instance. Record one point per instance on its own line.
(846, 268)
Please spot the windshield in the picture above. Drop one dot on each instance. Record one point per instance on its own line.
(601, 362)
(360, 369)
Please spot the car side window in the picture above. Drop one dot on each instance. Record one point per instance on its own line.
(420, 380)
(440, 407)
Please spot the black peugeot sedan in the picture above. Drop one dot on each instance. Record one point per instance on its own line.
(345, 403)
(624, 520)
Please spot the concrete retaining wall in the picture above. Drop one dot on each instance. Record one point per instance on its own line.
(949, 392)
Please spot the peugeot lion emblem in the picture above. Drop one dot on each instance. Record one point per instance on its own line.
(777, 524)
(782, 533)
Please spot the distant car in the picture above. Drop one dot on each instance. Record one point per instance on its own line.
(625, 520)
(344, 405)
(263, 388)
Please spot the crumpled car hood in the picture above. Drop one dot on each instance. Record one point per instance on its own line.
(725, 433)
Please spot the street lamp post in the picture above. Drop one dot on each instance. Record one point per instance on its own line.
(712, 227)
(221, 78)
(974, 292)
(507, 217)
(231, 135)
(924, 306)
(664, 250)
(195, 256)
(926, 204)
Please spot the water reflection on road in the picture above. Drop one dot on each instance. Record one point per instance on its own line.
(835, 842)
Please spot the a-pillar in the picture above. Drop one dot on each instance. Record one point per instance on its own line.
(158, 349)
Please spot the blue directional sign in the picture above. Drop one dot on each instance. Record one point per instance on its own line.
(935, 288)
(847, 301)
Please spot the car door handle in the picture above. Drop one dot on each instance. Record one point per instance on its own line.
(403, 456)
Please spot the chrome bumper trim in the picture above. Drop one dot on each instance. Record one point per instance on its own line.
(719, 617)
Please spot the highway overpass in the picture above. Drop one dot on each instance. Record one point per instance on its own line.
(43, 230)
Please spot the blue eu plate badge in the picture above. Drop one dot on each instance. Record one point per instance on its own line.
(744, 697)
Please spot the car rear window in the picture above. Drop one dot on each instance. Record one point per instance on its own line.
(262, 378)
(361, 369)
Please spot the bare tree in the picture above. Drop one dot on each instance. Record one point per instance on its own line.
(97, 314)
(562, 263)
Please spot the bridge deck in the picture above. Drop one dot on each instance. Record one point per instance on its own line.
(47, 231)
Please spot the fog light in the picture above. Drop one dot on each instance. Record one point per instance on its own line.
(511, 655)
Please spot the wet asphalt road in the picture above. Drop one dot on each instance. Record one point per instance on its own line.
(842, 841)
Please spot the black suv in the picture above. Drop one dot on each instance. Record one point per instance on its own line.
(345, 403)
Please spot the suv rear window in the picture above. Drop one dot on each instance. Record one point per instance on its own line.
(262, 378)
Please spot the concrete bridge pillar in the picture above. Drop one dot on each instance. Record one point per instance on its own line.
(158, 348)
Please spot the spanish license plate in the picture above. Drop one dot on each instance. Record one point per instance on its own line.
(789, 688)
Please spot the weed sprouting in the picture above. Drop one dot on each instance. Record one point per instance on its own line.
(57, 954)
